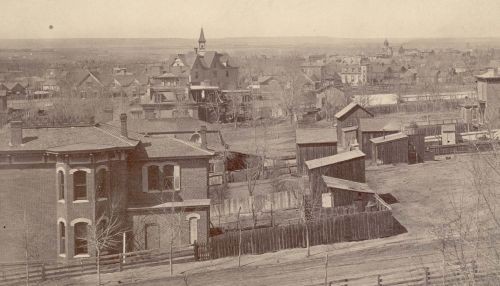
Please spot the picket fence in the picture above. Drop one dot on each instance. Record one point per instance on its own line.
(15, 273)
(351, 227)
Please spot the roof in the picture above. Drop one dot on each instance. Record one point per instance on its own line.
(164, 146)
(378, 125)
(66, 139)
(492, 73)
(182, 204)
(352, 128)
(330, 160)
(351, 106)
(448, 128)
(202, 37)
(347, 185)
(388, 138)
(316, 135)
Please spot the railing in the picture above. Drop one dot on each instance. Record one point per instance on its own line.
(455, 274)
(15, 273)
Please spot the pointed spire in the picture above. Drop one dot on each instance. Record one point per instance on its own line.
(202, 37)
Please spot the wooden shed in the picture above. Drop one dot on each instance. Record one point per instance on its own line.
(348, 117)
(314, 143)
(349, 136)
(340, 192)
(390, 149)
(347, 165)
(369, 128)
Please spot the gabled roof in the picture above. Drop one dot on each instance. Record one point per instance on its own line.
(492, 73)
(350, 107)
(330, 160)
(347, 185)
(164, 146)
(448, 128)
(315, 136)
(389, 138)
(378, 125)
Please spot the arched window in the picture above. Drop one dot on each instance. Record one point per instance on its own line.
(101, 183)
(81, 237)
(60, 186)
(62, 238)
(80, 185)
(153, 178)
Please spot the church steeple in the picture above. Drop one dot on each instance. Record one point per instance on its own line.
(201, 41)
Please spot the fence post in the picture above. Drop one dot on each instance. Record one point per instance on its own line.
(120, 262)
(195, 248)
(43, 272)
(474, 270)
(379, 280)
(426, 276)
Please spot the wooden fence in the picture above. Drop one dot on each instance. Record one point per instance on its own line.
(15, 273)
(455, 274)
(416, 107)
(352, 227)
(472, 147)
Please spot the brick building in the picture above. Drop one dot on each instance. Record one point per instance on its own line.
(58, 181)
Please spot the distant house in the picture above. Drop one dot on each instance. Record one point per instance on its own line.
(348, 118)
(128, 85)
(90, 83)
(313, 144)
(51, 85)
(369, 128)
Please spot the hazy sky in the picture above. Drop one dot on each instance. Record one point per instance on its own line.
(248, 18)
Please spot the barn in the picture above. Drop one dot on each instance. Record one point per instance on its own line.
(340, 192)
(369, 128)
(348, 117)
(390, 149)
(313, 144)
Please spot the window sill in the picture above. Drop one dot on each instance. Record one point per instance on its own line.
(81, 256)
(102, 199)
(62, 255)
(80, 201)
(61, 201)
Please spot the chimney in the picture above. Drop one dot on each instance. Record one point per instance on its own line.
(123, 125)
(16, 133)
(203, 137)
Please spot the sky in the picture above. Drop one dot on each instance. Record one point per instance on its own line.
(249, 18)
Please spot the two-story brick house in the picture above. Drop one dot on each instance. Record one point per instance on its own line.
(57, 181)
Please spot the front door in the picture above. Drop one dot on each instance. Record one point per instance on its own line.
(193, 230)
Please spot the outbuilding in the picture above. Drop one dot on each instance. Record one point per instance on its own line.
(313, 144)
(340, 192)
(348, 117)
(390, 149)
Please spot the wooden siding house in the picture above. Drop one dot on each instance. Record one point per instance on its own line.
(348, 117)
(313, 144)
(369, 128)
(390, 149)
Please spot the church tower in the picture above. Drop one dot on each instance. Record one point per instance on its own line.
(201, 43)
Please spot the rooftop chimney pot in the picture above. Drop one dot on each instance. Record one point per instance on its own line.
(123, 125)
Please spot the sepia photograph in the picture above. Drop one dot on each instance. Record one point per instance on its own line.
(250, 142)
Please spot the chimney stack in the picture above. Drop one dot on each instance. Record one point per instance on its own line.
(16, 133)
(123, 125)
(203, 137)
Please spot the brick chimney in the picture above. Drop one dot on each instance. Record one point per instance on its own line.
(203, 137)
(123, 125)
(16, 133)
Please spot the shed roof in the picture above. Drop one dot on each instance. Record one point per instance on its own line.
(347, 185)
(167, 146)
(351, 106)
(389, 138)
(351, 128)
(337, 158)
(378, 124)
(315, 135)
